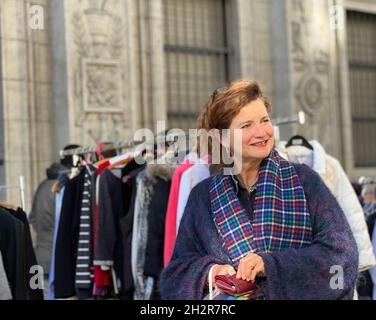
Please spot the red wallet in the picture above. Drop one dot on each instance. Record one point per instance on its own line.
(233, 286)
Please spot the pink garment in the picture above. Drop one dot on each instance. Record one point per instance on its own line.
(172, 209)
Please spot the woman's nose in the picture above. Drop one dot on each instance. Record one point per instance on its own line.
(259, 131)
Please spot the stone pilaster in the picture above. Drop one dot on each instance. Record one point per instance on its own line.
(26, 97)
(304, 67)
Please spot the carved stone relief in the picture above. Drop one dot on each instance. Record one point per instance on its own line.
(310, 60)
(99, 71)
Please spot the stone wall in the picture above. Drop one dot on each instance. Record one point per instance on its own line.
(26, 90)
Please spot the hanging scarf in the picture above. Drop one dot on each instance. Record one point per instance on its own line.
(281, 217)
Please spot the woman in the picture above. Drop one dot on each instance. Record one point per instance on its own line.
(275, 223)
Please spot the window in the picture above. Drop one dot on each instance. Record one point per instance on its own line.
(196, 56)
(361, 29)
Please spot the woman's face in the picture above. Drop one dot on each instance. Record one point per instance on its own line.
(257, 135)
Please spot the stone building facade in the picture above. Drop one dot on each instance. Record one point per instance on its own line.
(98, 70)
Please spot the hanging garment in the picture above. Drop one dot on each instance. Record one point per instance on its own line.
(11, 250)
(148, 187)
(84, 268)
(110, 210)
(199, 246)
(171, 216)
(369, 208)
(59, 201)
(332, 173)
(189, 179)
(126, 225)
(115, 222)
(372, 271)
(18, 254)
(30, 259)
(156, 230)
(102, 273)
(139, 236)
(5, 293)
(101, 277)
(67, 238)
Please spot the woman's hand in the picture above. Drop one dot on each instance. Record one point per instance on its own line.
(250, 266)
(222, 269)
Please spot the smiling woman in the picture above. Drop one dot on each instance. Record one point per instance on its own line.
(275, 223)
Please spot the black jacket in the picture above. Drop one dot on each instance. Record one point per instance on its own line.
(30, 258)
(18, 254)
(156, 227)
(67, 238)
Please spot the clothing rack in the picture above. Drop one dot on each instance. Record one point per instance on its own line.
(87, 150)
(115, 146)
(21, 187)
(277, 122)
(299, 117)
(366, 181)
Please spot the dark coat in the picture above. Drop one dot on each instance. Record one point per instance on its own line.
(18, 254)
(291, 274)
(156, 226)
(10, 247)
(30, 258)
(67, 238)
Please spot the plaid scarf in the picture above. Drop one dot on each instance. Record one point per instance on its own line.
(281, 216)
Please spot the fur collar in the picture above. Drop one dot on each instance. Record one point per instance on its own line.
(164, 171)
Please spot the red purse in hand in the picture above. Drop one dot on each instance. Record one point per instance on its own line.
(233, 286)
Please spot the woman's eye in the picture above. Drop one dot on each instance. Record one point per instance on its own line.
(246, 126)
(266, 120)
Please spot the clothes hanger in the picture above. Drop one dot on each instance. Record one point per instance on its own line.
(298, 140)
(56, 187)
(98, 163)
(120, 160)
(7, 205)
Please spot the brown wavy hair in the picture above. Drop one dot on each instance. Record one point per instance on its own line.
(225, 104)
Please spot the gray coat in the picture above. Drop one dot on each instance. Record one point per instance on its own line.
(5, 293)
(42, 217)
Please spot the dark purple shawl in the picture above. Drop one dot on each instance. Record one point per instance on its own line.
(291, 274)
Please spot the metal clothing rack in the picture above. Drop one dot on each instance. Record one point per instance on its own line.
(299, 117)
(277, 122)
(21, 187)
(87, 150)
(366, 181)
(114, 146)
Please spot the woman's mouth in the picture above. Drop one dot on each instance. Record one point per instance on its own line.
(260, 144)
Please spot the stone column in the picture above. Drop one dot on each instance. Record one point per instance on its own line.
(249, 24)
(148, 61)
(26, 97)
(304, 73)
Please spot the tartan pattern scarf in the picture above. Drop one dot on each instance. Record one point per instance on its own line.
(281, 217)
